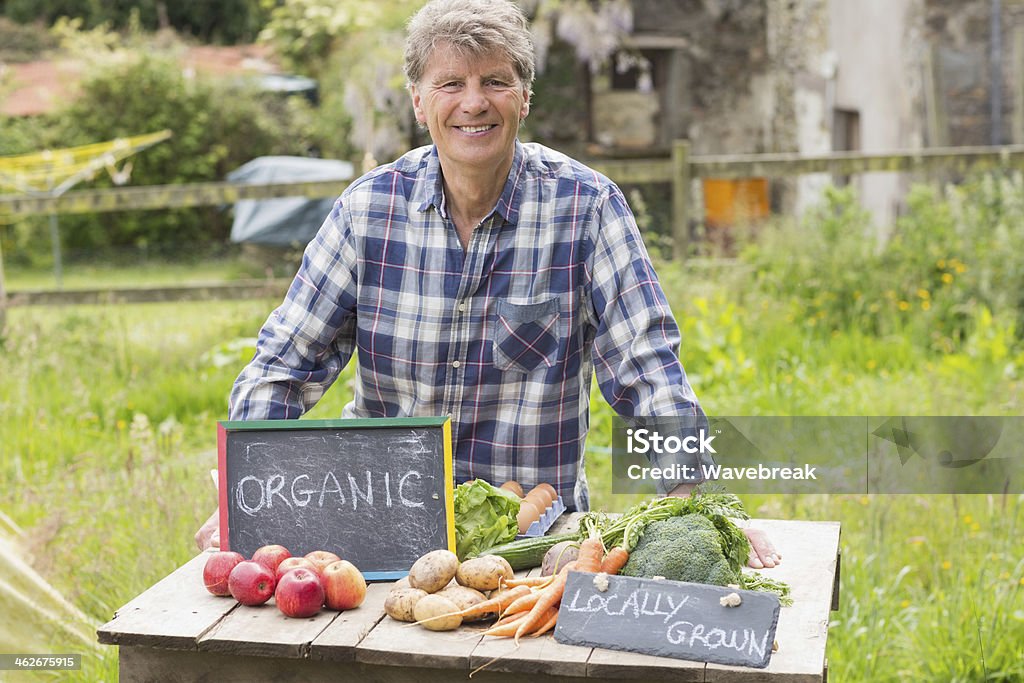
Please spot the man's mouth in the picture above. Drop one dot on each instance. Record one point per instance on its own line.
(476, 129)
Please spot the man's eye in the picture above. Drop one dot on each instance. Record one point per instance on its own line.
(451, 85)
(494, 83)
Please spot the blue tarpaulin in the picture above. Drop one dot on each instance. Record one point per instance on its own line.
(289, 221)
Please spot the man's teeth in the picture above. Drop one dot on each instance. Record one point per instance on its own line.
(474, 129)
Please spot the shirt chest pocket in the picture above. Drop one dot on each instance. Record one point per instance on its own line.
(526, 336)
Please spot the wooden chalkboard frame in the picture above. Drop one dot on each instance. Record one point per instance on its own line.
(444, 423)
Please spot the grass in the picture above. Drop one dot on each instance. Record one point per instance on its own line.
(108, 416)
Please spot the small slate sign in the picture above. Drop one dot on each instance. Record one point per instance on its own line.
(668, 619)
(378, 492)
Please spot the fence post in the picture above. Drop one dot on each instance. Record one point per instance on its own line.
(680, 198)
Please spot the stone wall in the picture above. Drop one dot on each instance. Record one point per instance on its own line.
(960, 34)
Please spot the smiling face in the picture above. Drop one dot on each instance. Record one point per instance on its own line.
(472, 106)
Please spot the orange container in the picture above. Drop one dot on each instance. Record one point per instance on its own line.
(730, 202)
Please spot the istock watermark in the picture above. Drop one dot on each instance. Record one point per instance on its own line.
(878, 454)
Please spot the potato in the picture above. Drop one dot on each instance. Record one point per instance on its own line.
(484, 573)
(433, 571)
(402, 583)
(401, 603)
(437, 613)
(509, 573)
(463, 597)
(558, 556)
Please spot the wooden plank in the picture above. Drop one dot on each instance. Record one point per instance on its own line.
(338, 641)
(165, 197)
(264, 631)
(541, 655)
(174, 613)
(394, 643)
(615, 664)
(634, 171)
(809, 551)
(177, 666)
(947, 160)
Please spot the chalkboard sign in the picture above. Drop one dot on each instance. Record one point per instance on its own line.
(668, 619)
(376, 492)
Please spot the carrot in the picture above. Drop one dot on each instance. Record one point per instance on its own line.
(548, 625)
(549, 599)
(507, 627)
(523, 604)
(496, 604)
(531, 581)
(510, 618)
(615, 560)
(589, 557)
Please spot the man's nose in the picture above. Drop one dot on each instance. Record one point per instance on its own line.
(474, 100)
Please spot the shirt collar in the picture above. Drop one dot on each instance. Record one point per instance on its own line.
(432, 187)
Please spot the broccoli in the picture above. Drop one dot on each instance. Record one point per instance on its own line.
(690, 548)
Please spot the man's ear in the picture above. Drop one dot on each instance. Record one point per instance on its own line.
(525, 109)
(417, 107)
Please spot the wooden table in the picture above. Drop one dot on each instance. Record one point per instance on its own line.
(176, 631)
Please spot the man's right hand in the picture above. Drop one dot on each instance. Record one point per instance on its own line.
(208, 535)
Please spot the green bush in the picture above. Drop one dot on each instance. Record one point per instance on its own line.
(216, 127)
(952, 255)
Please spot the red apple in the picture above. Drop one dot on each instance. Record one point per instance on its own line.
(296, 562)
(344, 585)
(270, 556)
(299, 593)
(322, 558)
(251, 583)
(217, 569)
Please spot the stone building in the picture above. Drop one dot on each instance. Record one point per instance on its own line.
(812, 76)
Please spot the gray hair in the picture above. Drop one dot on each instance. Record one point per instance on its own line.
(474, 27)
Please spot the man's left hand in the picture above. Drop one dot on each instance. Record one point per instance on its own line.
(763, 554)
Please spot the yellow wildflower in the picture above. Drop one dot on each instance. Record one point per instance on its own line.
(947, 278)
(968, 519)
(926, 305)
(871, 364)
(947, 565)
(923, 294)
(941, 263)
(975, 527)
(904, 306)
(905, 604)
(961, 268)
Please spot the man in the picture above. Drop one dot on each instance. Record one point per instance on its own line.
(478, 277)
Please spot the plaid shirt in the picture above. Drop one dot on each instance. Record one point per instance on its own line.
(503, 336)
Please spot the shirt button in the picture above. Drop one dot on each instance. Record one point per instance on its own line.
(456, 364)
(462, 307)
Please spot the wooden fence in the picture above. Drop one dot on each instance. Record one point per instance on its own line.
(678, 170)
